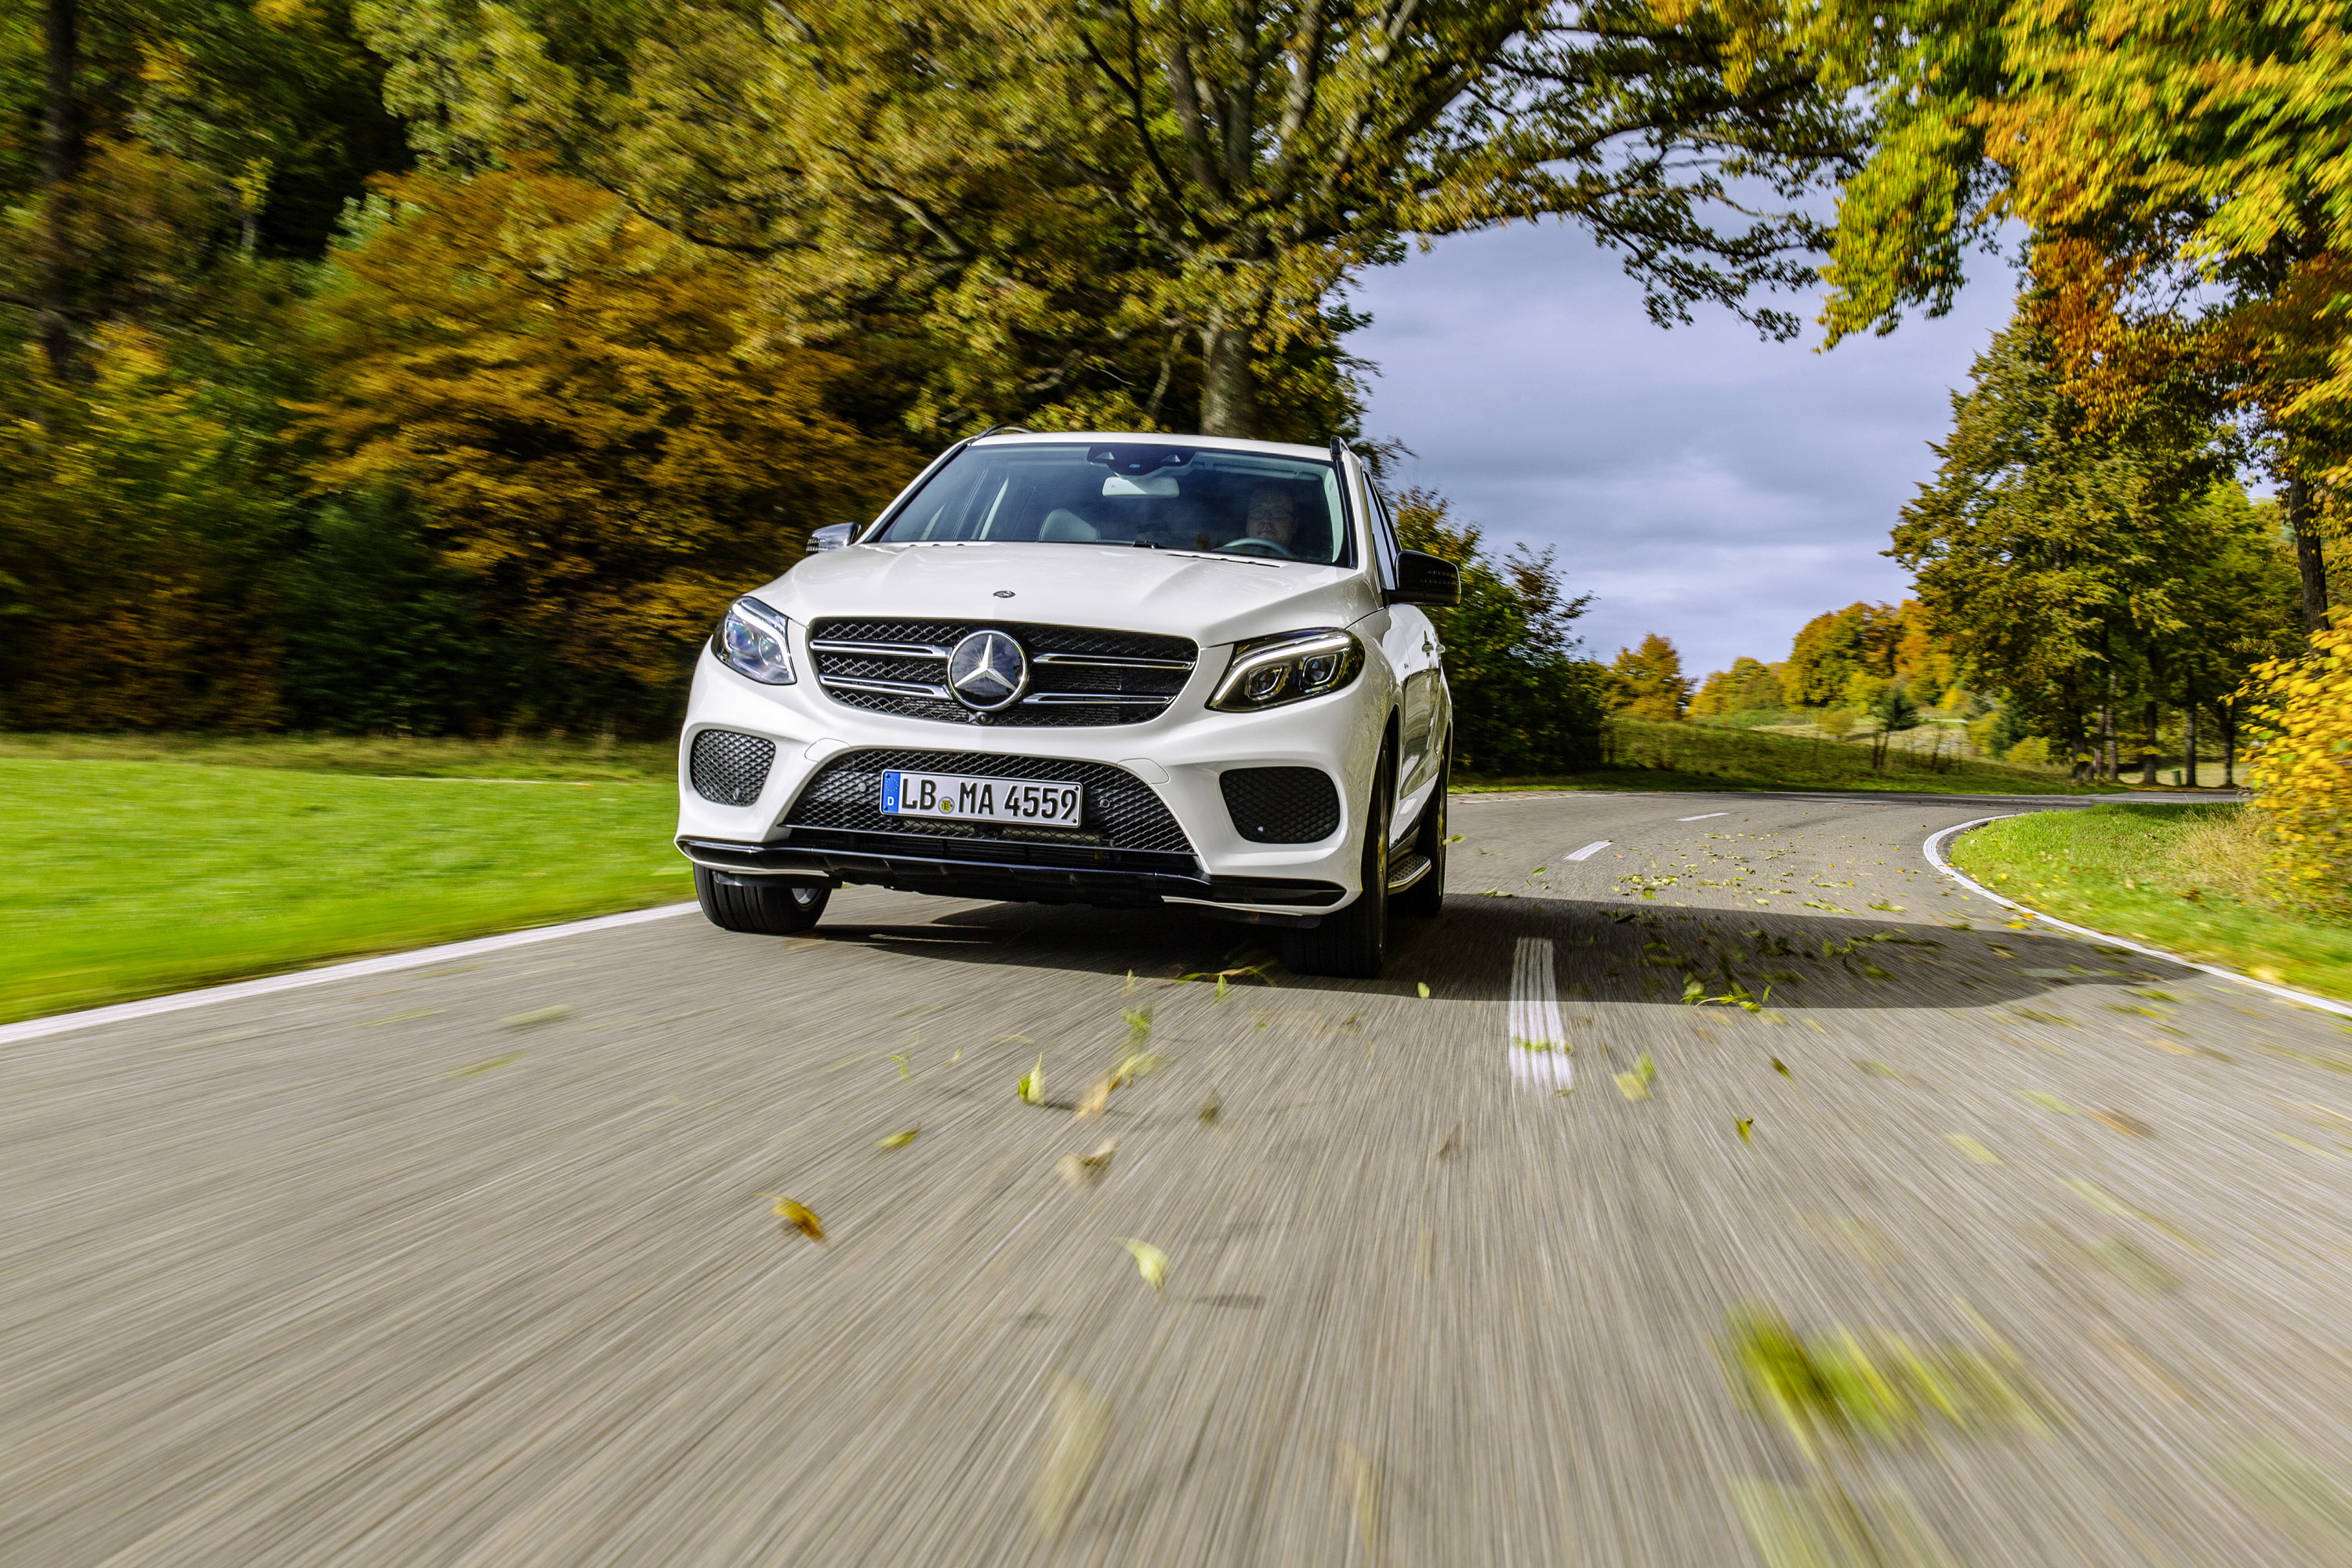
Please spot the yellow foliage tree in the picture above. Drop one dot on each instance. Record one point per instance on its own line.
(1649, 680)
(2302, 773)
(592, 412)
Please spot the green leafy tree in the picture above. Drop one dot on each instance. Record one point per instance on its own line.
(2079, 564)
(1833, 648)
(1524, 702)
(1083, 214)
(1749, 686)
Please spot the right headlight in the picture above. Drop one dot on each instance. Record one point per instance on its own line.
(1267, 672)
(754, 640)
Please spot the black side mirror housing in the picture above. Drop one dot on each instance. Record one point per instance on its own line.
(1426, 579)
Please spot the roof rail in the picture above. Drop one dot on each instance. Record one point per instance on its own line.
(1004, 430)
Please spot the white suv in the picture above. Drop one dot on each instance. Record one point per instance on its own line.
(1111, 669)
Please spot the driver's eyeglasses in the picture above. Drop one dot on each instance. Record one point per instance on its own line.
(1269, 508)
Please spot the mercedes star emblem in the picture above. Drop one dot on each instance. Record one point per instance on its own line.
(987, 672)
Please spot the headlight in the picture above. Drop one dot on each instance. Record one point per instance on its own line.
(754, 640)
(1267, 672)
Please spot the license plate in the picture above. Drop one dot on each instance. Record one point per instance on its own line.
(956, 797)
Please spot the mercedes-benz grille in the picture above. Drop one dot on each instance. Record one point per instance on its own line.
(1078, 676)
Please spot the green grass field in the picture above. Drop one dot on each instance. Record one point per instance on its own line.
(128, 878)
(1648, 754)
(2175, 877)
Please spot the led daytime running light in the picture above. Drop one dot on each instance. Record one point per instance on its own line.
(1270, 671)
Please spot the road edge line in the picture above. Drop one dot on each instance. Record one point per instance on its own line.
(387, 963)
(1935, 858)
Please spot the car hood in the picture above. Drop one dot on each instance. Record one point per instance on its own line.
(1172, 593)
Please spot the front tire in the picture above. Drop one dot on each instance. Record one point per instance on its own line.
(1353, 943)
(764, 906)
(1425, 900)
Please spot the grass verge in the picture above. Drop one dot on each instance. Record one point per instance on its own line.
(1649, 754)
(2176, 876)
(388, 756)
(128, 878)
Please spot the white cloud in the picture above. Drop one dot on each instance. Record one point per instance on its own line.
(1705, 484)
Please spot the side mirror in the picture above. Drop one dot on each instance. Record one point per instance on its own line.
(1426, 579)
(835, 536)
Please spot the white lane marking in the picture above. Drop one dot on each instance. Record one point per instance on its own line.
(1588, 850)
(1933, 850)
(124, 1012)
(1702, 817)
(1538, 1045)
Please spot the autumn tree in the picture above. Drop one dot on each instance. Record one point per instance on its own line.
(1650, 681)
(585, 410)
(2176, 168)
(1833, 648)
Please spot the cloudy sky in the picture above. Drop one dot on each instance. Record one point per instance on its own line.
(1705, 484)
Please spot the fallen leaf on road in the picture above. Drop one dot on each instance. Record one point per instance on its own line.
(1031, 1089)
(1074, 1444)
(1361, 1486)
(1150, 1262)
(1423, 987)
(1450, 1144)
(2121, 1122)
(1972, 1149)
(491, 1065)
(1635, 1085)
(1084, 1169)
(1744, 1123)
(1209, 1111)
(1781, 1068)
(897, 1140)
(535, 1017)
(1138, 1022)
(2049, 1102)
(794, 1215)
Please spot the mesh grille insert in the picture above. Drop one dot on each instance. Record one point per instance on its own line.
(729, 768)
(1149, 689)
(1281, 805)
(846, 794)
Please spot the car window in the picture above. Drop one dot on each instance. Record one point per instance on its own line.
(1384, 539)
(1155, 495)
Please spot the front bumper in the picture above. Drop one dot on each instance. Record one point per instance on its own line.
(1177, 756)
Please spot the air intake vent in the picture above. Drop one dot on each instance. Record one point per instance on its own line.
(1281, 805)
(727, 768)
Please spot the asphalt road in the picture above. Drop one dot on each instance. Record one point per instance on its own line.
(469, 1265)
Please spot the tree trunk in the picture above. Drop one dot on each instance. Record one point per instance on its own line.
(1228, 380)
(2105, 770)
(2230, 744)
(2310, 562)
(2148, 718)
(64, 143)
(2189, 749)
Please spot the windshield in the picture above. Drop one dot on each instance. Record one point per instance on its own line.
(1157, 497)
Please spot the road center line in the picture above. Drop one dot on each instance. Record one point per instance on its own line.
(1593, 848)
(1702, 817)
(1538, 1046)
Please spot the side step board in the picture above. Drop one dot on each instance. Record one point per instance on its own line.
(1407, 872)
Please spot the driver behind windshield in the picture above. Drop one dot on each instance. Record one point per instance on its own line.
(1273, 516)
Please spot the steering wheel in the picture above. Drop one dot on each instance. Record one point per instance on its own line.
(1250, 544)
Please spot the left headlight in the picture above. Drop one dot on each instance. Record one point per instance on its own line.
(1267, 672)
(754, 640)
